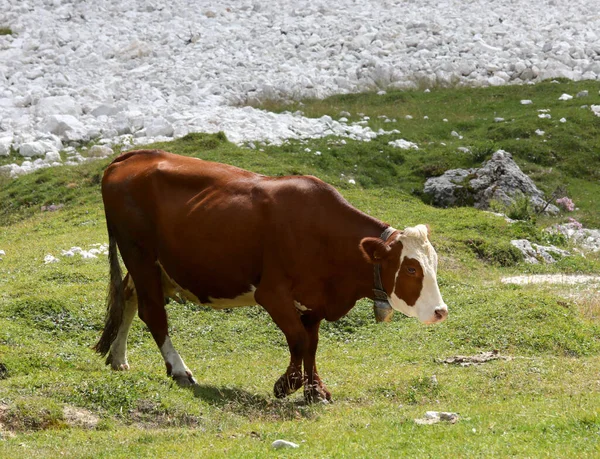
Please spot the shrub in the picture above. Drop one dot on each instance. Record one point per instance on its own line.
(496, 253)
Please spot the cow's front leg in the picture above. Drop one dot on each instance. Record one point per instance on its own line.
(314, 389)
(280, 307)
(290, 381)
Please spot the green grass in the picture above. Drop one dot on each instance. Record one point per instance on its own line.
(543, 402)
(5, 31)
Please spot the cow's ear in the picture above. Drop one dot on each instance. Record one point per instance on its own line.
(374, 250)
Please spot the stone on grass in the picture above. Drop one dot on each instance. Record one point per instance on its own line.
(534, 253)
(433, 417)
(50, 259)
(587, 239)
(280, 444)
(404, 144)
(100, 151)
(499, 179)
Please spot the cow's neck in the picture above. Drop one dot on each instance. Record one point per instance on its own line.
(358, 275)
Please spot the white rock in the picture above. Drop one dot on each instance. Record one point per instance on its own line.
(563, 120)
(539, 132)
(30, 149)
(496, 81)
(159, 127)
(404, 144)
(52, 157)
(595, 109)
(58, 105)
(67, 127)
(565, 97)
(100, 151)
(105, 110)
(50, 259)
(5, 144)
(279, 444)
(526, 102)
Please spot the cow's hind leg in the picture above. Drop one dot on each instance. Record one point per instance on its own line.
(117, 356)
(147, 277)
(283, 312)
(314, 389)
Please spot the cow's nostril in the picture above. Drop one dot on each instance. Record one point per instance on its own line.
(441, 313)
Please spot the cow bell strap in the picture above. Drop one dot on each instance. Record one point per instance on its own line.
(381, 298)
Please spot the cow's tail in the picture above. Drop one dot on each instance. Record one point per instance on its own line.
(115, 302)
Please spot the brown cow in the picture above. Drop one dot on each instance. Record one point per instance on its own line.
(221, 236)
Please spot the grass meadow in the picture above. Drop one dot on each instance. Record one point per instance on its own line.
(58, 399)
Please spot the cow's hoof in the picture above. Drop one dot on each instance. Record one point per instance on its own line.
(185, 380)
(286, 385)
(117, 364)
(317, 394)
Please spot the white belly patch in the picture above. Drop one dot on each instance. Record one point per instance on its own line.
(171, 288)
(300, 307)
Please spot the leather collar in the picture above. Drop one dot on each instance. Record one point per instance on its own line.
(380, 296)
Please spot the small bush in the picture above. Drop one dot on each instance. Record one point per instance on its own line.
(499, 254)
(520, 209)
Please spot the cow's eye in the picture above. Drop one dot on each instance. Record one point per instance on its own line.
(411, 270)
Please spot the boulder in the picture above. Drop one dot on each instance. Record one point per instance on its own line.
(498, 179)
(100, 151)
(588, 239)
(5, 144)
(58, 105)
(158, 127)
(67, 127)
(105, 110)
(534, 253)
(30, 149)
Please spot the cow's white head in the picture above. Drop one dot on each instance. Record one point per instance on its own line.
(408, 272)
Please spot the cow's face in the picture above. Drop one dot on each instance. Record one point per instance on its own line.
(409, 273)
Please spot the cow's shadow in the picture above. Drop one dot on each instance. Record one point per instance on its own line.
(244, 403)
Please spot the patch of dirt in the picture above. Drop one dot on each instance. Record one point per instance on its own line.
(150, 415)
(4, 432)
(11, 423)
(478, 359)
(80, 417)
